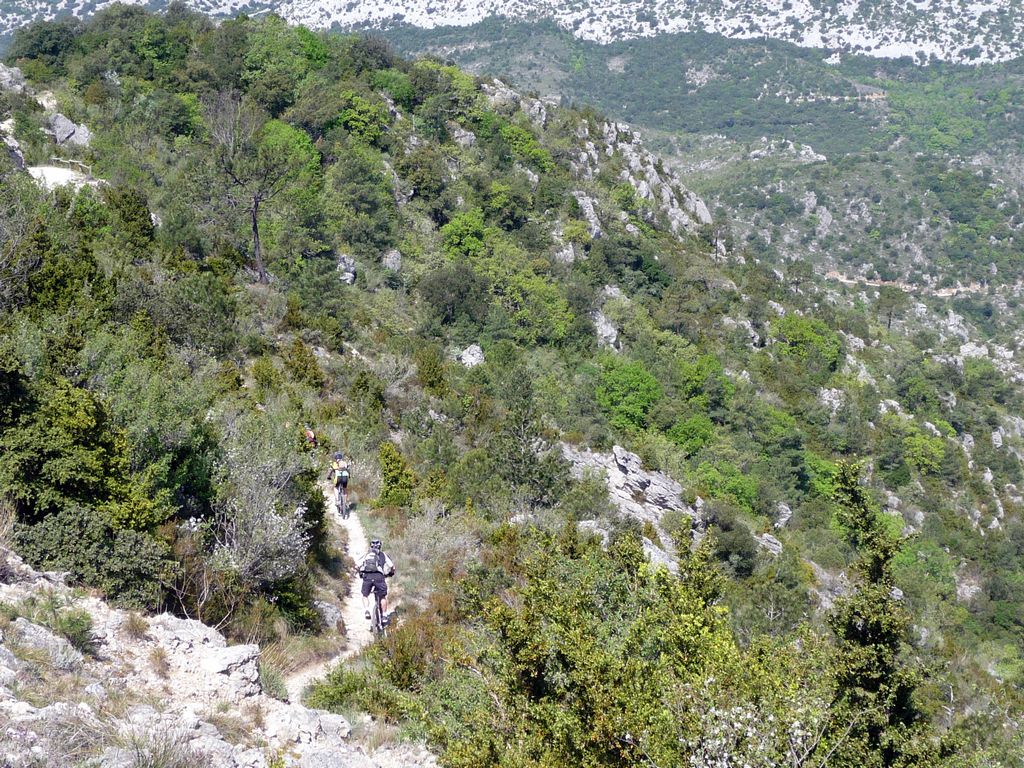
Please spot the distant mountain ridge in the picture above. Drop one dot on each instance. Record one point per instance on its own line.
(947, 30)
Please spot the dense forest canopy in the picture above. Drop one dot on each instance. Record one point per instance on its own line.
(282, 228)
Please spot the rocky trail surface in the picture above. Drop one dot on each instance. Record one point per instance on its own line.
(357, 629)
(133, 689)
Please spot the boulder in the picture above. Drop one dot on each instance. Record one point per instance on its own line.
(607, 333)
(500, 96)
(330, 615)
(392, 260)
(347, 268)
(461, 136)
(62, 654)
(11, 144)
(184, 634)
(11, 79)
(235, 670)
(471, 356)
(770, 543)
(331, 757)
(64, 131)
(293, 724)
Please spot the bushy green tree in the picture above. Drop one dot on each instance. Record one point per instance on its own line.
(627, 392)
(875, 720)
(397, 480)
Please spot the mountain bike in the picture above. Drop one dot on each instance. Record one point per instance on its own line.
(341, 503)
(377, 626)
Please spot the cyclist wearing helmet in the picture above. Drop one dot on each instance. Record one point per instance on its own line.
(374, 567)
(339, 474)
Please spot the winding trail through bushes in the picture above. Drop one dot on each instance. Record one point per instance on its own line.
(357, 628)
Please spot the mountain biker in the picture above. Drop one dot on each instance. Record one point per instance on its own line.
(374, 568)
(339, 474)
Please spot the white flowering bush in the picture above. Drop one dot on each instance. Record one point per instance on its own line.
(752, 736)
(260, 532)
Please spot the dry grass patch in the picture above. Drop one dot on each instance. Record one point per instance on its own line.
(160, 662)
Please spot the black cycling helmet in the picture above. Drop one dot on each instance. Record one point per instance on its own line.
(375, 545)
(338, 457)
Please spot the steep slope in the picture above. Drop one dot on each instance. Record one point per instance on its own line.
(87, 684)
(949, 30)
(803, 153)
(357, 633)
(554, 372)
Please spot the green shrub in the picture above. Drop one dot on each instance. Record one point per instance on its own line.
(524, 145)
(301, 364)
(627, 392)
(265, 373)
(397, 480)
(272, 682)
(430, 369)
(692, 433)
(364, 118)
(130, 567)
(810, 343)
(341, 689)
(75, 625)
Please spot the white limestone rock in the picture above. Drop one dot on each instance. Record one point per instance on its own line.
(347, 268)
(607, 333)
(11, 79)
(589, 212)
(62, 654)
(643, 495)
(392, 260)
(64, 131)
(471, 356)
(769, 543)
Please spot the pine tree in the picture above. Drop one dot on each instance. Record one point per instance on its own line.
(875, 719)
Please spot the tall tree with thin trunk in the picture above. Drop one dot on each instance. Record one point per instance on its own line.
(891, 302)
(258, 158)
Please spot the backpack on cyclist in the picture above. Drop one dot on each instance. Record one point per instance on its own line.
(373, 563)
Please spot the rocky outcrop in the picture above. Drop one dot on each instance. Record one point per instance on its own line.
(346, 268)
(66, 132)
(642, 495)
(11, 79)
(181, 691)
(588, 209)
(471, 356)
(656, 185)
(504, 99)
(392, 260)
(11, 144)
(770, 544)
(828, 587)
(58, 651)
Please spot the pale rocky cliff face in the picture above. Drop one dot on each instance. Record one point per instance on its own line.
(162, 687)
(639, 494)
(951, 30)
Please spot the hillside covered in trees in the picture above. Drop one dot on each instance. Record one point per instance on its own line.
(472, 293)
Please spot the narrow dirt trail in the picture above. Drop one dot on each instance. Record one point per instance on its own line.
(357, 628)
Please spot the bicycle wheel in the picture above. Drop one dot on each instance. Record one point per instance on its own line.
(375, 622)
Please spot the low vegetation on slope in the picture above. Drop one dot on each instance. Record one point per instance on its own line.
(878, 168)
(296, 229)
